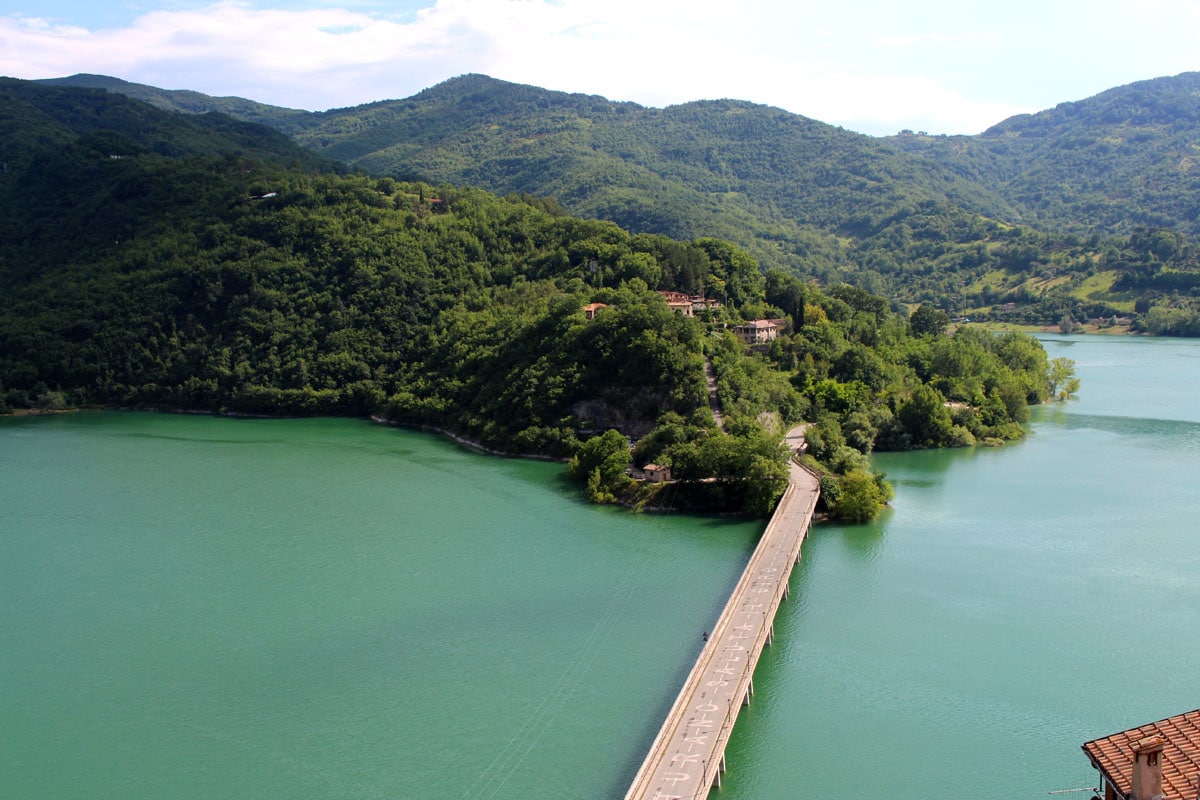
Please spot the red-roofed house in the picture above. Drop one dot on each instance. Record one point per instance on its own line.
(1156, 761)
(678, 302)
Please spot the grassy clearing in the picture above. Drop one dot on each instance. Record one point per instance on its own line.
(1099, 288)
(1005, 327)
(996, 278)
(1038, 285)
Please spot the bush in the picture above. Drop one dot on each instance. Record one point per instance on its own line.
(50, 401)
(846, 460)
(601, 461)
(861, 496)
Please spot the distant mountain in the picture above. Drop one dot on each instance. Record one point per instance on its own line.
(1077, 211)
(588, 152)
(784, 186)
(58, 144)
(188, 102)
(1125, 158)
(33, 116)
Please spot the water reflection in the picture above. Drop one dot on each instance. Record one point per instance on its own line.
(1175, 435)
(864, 540)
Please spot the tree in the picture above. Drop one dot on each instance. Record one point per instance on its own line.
(640, 265)
(824, 437)
(767, 479)
(51, 401)
(862, 496)
(927, 321)
(601, 462)
(861, 300)
(860, 363)
(925, 417)
(786, 292)
(1063, 382)
(1015, 399)
(860, 430)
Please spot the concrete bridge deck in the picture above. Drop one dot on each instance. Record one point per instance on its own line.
(688, 755)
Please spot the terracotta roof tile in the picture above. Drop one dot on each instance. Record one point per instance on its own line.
(1113, 755)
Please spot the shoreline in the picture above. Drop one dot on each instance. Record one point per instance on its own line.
(379, 419)
(627, 503)
(39, 412)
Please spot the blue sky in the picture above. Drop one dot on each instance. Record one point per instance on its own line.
(874, 66)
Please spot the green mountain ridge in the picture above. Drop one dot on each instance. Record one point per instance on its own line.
(784, 186)
(774, 182)
(1050, 212)
(1089, 145)
(34, 117)
(1124, 158)
(184, 100)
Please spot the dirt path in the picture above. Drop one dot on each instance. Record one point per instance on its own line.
(713, 403)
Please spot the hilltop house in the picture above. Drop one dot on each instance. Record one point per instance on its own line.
(758, 331)
(678, 302)
(688, 304)
(1156, 761)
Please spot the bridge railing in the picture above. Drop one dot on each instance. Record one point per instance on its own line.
(712, 763)
(712, 767)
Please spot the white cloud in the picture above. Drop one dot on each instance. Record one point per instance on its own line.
(934, 39)
(890, 103)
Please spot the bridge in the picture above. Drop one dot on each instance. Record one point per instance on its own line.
(687, 757)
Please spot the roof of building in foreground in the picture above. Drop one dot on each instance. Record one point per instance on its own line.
(1113, 755)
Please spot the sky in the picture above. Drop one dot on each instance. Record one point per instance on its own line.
(872, 66)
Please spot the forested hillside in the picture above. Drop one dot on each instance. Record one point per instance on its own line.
(1124, 159)
(34, 121)
(287, 120)
(1058, 217)
(173, 276)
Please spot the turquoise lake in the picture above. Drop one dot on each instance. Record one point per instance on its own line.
(195, 607)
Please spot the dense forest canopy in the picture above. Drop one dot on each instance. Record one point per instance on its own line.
(1118, 161)
(1041, 219)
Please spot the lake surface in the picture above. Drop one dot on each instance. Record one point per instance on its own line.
(1012, 605)
(199, 607)
(215, 608)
